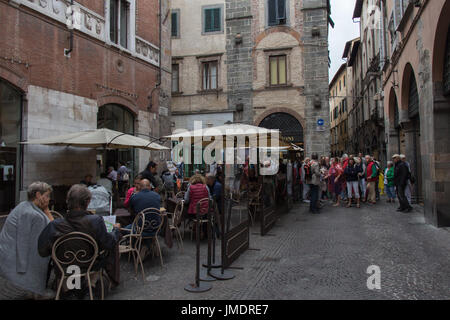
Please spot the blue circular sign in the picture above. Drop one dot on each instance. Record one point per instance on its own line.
(320, 122)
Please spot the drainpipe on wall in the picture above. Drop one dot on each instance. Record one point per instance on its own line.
(68, 51)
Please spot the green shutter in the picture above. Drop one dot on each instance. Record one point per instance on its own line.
(174, 24)
(208, 20)
(216, 15)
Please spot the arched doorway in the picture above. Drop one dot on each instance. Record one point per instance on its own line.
(10, 136)
(118, 118)
(446, 76)
(414, 141)
(291, 129)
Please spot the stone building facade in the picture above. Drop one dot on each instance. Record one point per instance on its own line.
(339, 97)
(105, 81)
(271, 66)
(367, 111)
(416, 85)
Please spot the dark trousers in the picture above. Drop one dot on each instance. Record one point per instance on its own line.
(377, 191)
(404, 204)
(314, 191)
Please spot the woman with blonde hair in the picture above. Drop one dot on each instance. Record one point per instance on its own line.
(196, 191)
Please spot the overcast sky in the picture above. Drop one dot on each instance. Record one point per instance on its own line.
(344, 30)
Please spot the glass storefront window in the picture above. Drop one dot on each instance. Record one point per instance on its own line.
(10, 125)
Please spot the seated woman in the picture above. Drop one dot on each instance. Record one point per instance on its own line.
(135, 189)
(196, 191)
(23, 273)
(79, 219)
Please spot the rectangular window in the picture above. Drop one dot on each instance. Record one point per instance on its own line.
(276, 12)
(209, 75)
(175, 78)
(175, 24)
(277, 70)
(212, 20)
(119, 15)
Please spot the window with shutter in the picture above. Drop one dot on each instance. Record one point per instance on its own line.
(212, 20)
(119, 20)
(277, 70)
(175, 78)
(175, 22)
(277, 14)
(413, 104)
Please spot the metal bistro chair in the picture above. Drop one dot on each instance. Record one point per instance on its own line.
(203, 213)
(76, 249)
(131, 243)
(176, 221)
(56, 214)
(153, 224)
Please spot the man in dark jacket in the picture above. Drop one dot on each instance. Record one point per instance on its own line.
(149, 173)
(80, 220)
(401, 176)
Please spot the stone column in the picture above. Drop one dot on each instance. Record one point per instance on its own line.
(238, 25)
(315, 66)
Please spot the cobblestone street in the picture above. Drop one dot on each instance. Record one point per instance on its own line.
(308, 256)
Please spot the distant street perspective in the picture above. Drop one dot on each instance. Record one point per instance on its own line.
(227, 150)
(322, 256)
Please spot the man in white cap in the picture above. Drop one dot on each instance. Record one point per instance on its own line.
(409, 185)
(401, 175)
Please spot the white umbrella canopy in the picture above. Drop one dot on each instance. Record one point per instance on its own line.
(235, 129)
(100, 138)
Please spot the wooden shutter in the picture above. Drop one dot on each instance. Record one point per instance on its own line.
(281, 10)
(208, 20)
(272, 12)
(174, 24)
(413, 105)
(216, 19)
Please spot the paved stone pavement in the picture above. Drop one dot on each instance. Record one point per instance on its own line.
(308, 256)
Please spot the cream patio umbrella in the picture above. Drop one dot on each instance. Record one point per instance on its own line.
(99, 138)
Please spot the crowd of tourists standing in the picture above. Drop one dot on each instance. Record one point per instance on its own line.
(353, 180)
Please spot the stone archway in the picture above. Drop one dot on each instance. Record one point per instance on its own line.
(411, 124)
(438, 206)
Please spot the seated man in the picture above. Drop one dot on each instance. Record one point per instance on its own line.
(145, 199)
(87, 180)
(78, 219)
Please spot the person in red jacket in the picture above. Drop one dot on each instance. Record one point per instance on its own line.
(196, 191)
(371, 178)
